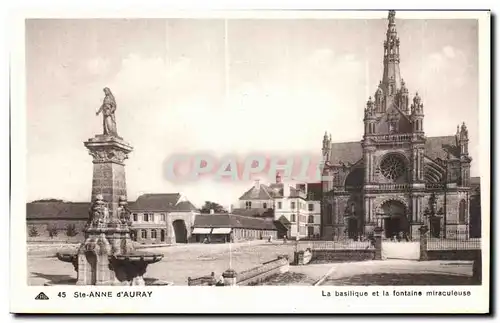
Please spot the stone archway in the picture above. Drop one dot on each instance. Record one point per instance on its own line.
(180, 231)
(394, 217)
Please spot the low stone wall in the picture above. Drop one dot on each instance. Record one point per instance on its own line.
(471, 254)
(255, 275)
(339, 255)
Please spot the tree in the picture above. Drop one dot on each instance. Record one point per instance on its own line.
(53, 231)
(212, 206)
(33, 231)
(71, 230)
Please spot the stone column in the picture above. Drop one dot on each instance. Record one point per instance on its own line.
(366, 209)
(105, 233)
(414, 166)
(229, 277)
(378, 231)
(423, 243)
(109, 154)
(367, 166)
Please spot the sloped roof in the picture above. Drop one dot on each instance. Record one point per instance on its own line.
(267, 192)
(256, 193)
(284, 220)
(80, 210)
(351, 152)
(475, 184)
(156, 202)
(280, 226)
(346, 152)
(438, 147)
(257, 212)
(185, 206)
(57, 210)
(225, 220)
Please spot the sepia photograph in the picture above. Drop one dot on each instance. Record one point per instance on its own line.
(311, 151)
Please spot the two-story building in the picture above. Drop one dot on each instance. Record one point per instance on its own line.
(289, 204)
(162, 218)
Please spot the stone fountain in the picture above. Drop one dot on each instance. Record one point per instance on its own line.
(107, 256)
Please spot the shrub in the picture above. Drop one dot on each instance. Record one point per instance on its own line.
(53, 231)
(33, 231)
(71, 230)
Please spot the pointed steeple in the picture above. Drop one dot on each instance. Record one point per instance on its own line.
(391, 78)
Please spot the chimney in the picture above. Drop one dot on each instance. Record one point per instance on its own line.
(230, 209)
(212, 211)
(278, 178)
(257, 184)
(286, 190)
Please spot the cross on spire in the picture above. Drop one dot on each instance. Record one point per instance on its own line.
(391, 78)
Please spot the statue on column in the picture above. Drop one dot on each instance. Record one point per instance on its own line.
(108, 109)
(98, 213)
(123, 211)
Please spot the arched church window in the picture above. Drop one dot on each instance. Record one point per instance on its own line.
(462, 211)
(392, 167)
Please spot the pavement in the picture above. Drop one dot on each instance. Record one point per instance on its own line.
(439, 267)
(179, 262)
(195, 260)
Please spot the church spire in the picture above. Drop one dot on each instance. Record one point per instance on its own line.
(391, 79)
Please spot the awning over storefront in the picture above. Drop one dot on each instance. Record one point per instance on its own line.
(221, 230)
(201, 230)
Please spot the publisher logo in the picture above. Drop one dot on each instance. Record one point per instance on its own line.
(41, 296)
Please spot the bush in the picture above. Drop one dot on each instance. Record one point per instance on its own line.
(33, 231)
(53, 231)
(71, 230)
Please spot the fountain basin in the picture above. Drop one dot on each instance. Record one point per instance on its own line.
(128, 268)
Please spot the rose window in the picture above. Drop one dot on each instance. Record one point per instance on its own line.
(392, 167)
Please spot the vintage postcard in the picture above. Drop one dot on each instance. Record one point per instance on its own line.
(251, 162)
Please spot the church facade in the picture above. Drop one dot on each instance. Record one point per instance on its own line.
(396, 177)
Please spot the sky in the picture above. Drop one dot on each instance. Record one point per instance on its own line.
(226, 86)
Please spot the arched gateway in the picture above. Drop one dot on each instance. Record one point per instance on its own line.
(394, 217)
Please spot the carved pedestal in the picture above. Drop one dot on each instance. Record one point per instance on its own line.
(109, 154)
(107, 232)
(377, 233)
(423, 242)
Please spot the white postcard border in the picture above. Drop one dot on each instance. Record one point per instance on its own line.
(183, 299)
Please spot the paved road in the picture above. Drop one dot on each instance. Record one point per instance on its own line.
(179, 262)
(342, 270)
(195, 260)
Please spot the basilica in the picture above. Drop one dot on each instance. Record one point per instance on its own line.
(396, 177)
